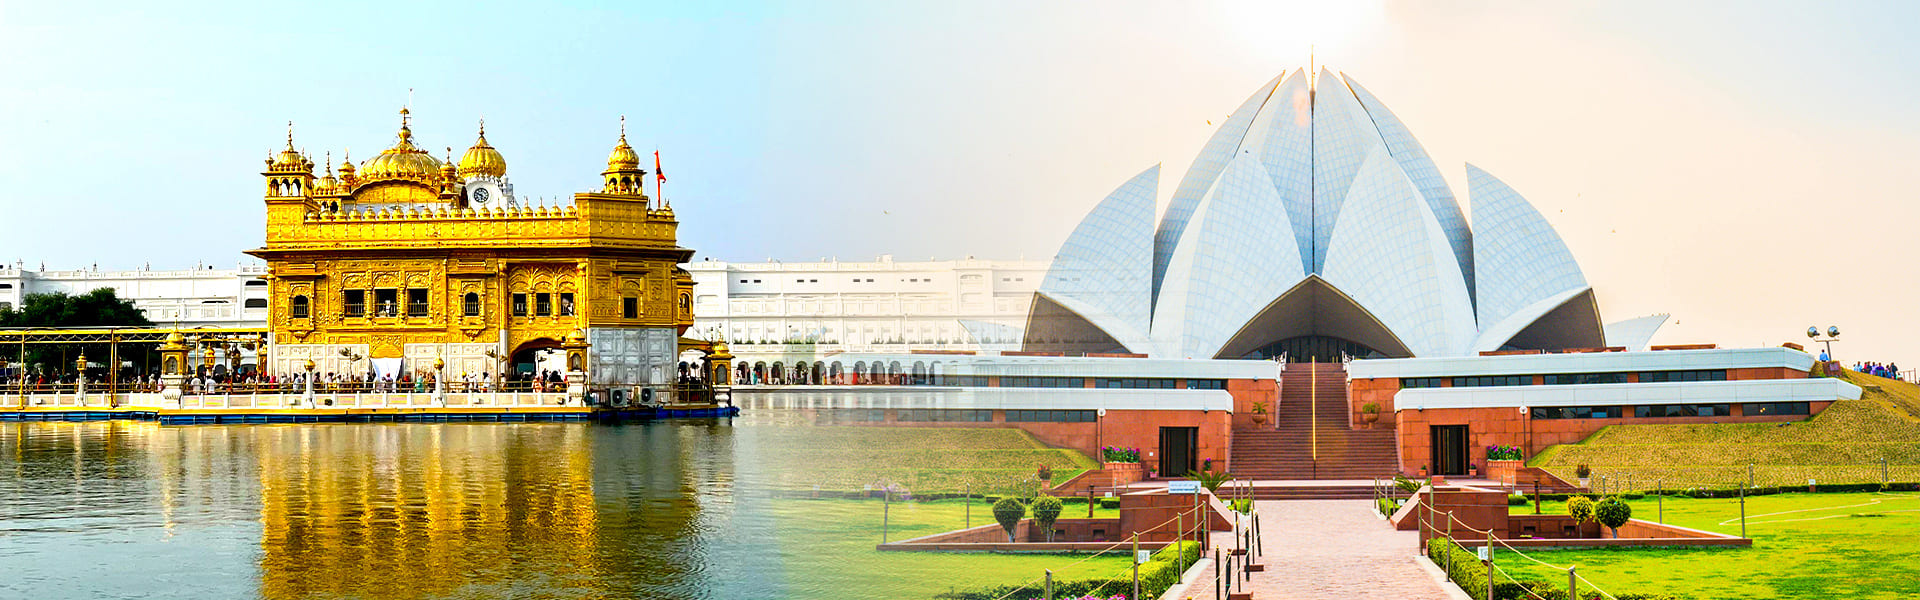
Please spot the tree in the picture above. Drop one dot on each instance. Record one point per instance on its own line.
(1613, 513)
(1046, 509)
(1009, 511)
(1581, 509)
(98, 308)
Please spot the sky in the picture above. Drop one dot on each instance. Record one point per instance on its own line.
(1745, 166)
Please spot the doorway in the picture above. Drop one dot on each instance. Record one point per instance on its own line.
(1178, 447)
(1450, 450)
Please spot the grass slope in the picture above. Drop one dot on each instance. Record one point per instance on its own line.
(923, 460)
(827, 551)
(1843, 444)
(1804, 546)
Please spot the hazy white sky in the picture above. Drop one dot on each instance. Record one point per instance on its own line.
(1745, 166)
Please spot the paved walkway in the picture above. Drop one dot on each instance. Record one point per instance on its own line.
(1332, 549)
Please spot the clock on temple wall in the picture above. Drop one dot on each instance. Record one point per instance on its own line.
(485, 192)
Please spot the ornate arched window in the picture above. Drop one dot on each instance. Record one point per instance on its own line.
(470, 305)
(300, 308)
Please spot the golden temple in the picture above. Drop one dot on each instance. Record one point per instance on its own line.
(412, 263)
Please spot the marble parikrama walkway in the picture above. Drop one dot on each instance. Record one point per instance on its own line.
(1332, 549)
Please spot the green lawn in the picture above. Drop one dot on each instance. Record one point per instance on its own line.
(923, 460)
(1846, 443)
(1860, 545)
(827, 549)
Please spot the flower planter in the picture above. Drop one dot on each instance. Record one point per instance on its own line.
(1504, 470)
(1124, 473)
(1370, 418)
(1259, 418)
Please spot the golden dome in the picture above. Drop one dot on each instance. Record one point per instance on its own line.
(346, 163)
(623, 158)
(402, 161)
(482, 159)
(327, 184)
(289, 159)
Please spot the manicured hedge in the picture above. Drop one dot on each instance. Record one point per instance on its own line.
(1465, 569)
(1156, 576)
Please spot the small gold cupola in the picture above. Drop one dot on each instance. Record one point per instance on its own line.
(623, 174)
(482, 158)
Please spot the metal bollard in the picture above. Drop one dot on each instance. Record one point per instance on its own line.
(1743, 512)
(1573, 584)
(1048, 595)
(1489, 563)
(1216, 574)
(1136, 565)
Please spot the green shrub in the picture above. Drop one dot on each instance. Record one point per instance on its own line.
(1160, 572)
(1046, 510)
(1466, 570)
(1516, 499)
(1009, 512)
(1387, 506)
(1578, 507)
(1612, 512)
(1109, 503)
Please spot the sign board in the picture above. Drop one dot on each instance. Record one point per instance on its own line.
(1140, 557)
(1183, 486)
(1483, 553)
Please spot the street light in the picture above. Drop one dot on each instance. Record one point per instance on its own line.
(1833, 333)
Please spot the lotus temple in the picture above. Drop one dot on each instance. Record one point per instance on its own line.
(1313, 224)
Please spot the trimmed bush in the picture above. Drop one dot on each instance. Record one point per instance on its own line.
(1578, 507)
(1009, 512)
(1516, 499)
(1046, 510)
(1613, 512)
(1109, 503)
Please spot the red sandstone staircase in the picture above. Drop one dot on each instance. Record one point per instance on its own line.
(1285, 449)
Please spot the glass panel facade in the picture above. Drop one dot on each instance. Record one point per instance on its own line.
(1766, 409)
(1493, 381)
(1135, 383)
(1584, 378)
(1682, 410)
(1043, 382)
(1421, 382)
(1576, 412)
(1050, 416)
(1665, 376)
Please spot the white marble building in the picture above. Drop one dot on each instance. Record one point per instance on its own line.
(767, 310)
(200, 297)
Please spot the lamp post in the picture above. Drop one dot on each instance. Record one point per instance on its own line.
(440, 382)
(307, 394)
(1833, 334)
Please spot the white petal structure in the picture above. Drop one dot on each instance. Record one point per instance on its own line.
(1227, 266)
(1526, 272)
(1635, 334)
(1391, 256)
(1313, 223)
(1103, 273)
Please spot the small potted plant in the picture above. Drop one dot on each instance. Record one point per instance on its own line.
(1260, 413)
(1370, 412)
(1582, 472)
(1044, 474)
(1473, 470)
(1423, 472)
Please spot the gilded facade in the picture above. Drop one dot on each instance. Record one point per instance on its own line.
(403, 259)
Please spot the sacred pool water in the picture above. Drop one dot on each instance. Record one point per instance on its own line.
(549, 510)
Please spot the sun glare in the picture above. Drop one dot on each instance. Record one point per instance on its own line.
(1289, 29)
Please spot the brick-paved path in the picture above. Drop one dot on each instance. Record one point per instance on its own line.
(1331, 549)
